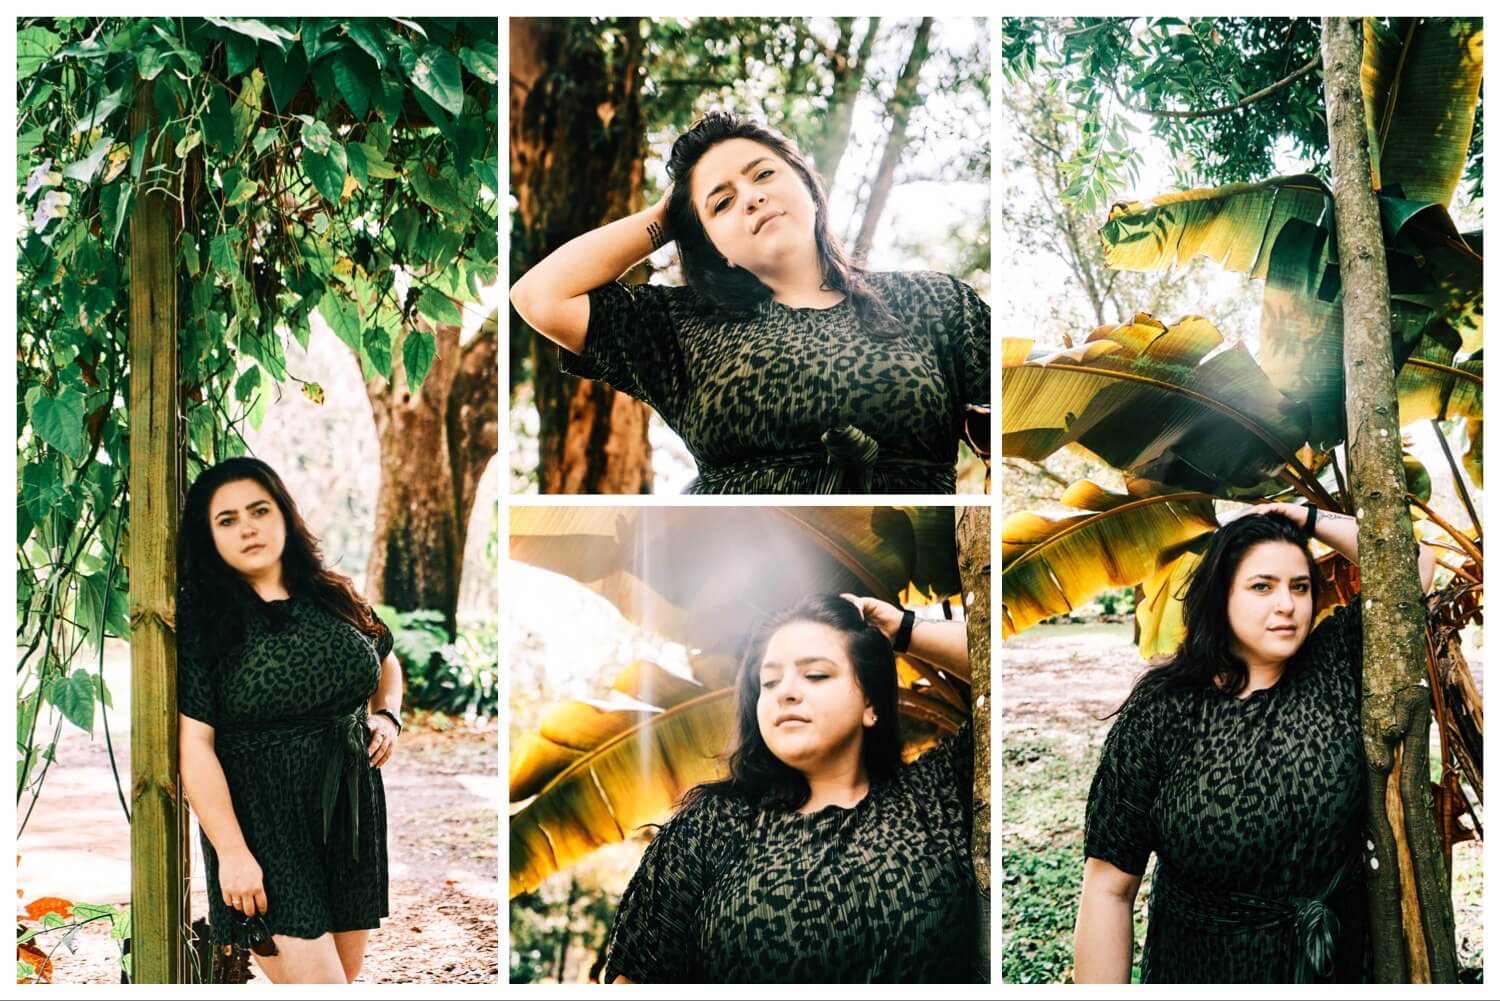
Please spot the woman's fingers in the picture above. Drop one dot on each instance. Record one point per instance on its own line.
(260, 901)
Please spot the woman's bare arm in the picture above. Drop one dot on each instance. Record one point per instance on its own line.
(1340, 532)
(1104, 938)
(553, 297)
(387, 693)
(208, 793)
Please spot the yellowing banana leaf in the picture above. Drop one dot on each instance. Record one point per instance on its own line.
(1052, 565)
(655, 685)
(1474, 454)
(1421, 79)
(1159, 612)
(1234, 226)
(1216, 425)
(633, 779)
(1432, 386)
(703, 576)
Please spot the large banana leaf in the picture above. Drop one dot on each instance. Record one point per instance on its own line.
(1159, 412)
(1421, 79)
(1432, 386)
(631, 780)
(1052, 565)
(702, 576)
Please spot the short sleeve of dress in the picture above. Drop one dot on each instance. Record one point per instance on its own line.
(944, 775)
(385, 642)
(1338, 641)
(971, 344)
(632, 344)
(1117, 823)
(195, 688)
(652, 941)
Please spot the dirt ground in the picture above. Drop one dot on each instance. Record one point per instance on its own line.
(443, 800)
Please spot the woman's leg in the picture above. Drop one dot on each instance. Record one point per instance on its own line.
(303, 961)
(351, 948)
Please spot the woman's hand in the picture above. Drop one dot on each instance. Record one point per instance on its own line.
(1295, 513)
(383, 734)
(881, 614)
(240, 882)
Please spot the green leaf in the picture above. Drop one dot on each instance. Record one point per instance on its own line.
(378, 351)
(188, 143)
(223, 253)
(107, 106)
(436, 191)
(264, 139)
(73, 696)
(356, 80)
(317, 136)
(438, 308)
(85, 169)
(244, 190)
(246, 385)
(359, 166)
(327, 171)
(257, 30)
(239, 54)
(285, 73)
(149, 62)
(218, 122)
(342, 316)
(376, 163)
(369, 34)
(247, 106)
(41, 489)
(59, 422)
(34, 46)
(418, 349)
(483, 60)
(436, 73)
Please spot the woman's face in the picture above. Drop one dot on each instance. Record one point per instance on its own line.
(1270, 603)
(753, 205)
(248, 529)
(811, 709)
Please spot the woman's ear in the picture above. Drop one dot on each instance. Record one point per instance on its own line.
(870, 717)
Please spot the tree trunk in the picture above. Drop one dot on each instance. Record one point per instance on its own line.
(848, 78)
(434, 445)
(159, 867)
(578, 143)
(1411, 912)
(900, 112)
(973, 538)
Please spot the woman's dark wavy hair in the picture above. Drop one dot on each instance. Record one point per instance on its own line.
(758, 776)
(213, 600)
(1206, 658)
(735, 289)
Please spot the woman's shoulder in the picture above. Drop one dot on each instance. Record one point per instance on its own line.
(935, 284)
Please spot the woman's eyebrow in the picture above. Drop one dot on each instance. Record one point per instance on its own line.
(724, 184)
(1273, 577)
(772, 665)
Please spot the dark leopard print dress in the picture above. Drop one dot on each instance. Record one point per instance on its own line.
(1255, 810)
(883, 892)
(790, 400)
(289, 729)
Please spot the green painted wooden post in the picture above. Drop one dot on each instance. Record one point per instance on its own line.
(158, 864)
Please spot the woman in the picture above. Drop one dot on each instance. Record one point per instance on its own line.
(821, 858)
(784, 367)
(289, 700)
(1239, 763)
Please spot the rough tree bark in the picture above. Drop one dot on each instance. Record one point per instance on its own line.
(899, 111)
(973, 539)
(434, 446)
(577, 153)
(1411, 911)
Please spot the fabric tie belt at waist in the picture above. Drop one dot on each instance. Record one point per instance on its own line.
(344, 759)
(846, 463)
(1310, 920)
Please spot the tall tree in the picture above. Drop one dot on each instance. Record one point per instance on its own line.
(577, 151)
(435, 441)
(1409, 898)
(898, 110)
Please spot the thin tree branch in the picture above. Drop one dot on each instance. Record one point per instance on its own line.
(1245, 102)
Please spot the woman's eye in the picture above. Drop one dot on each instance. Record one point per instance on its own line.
(816, 677)
(721, 206)
(767, 685)
(764, 174)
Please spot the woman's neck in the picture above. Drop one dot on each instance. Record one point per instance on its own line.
(843, 784)
(1260, 676)
(269, 585)
(800, 282)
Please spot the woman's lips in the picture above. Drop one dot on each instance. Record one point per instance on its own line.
(765, 221)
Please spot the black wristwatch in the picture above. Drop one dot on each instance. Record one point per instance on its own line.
(392, 717)
(1312, 518)
(902, 640)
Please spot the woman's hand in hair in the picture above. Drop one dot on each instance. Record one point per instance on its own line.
(881, 614)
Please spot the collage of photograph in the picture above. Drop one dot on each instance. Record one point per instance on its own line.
(331, 669)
